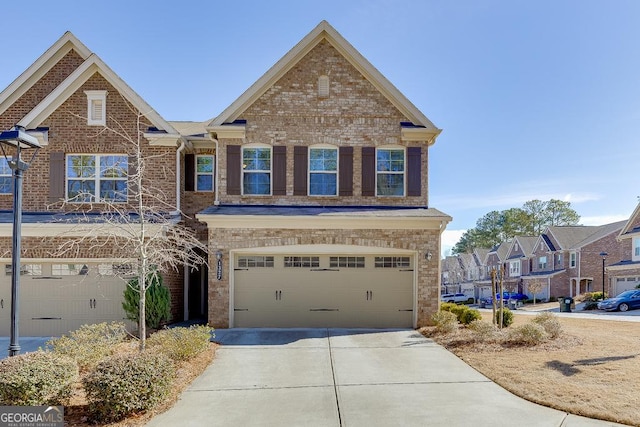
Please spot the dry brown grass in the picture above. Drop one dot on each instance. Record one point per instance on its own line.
(76, 413)
(592, 369)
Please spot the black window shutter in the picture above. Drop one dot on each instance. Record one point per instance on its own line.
(368, 171)
(346, 171)
(189, 172)
(414, 171)
(300, 159)
(56, 177)
(233, 169)
(279, 170)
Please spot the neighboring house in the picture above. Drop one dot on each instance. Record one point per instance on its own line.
(567, 258)
(625, 274)
(311, 190)
(518, 262)
(65, 99)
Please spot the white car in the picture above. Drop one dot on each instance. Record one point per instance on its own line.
(457, 298)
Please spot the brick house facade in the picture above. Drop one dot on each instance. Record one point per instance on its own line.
(344, 185)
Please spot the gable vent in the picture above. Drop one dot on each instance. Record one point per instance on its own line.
(323, 86)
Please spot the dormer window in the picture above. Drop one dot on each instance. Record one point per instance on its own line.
(96, 107)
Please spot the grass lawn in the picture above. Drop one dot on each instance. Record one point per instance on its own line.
(592, 369)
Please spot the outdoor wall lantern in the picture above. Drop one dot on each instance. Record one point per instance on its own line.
(12, 143)
(428, 256)
(219, 265)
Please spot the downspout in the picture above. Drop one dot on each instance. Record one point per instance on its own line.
(178, 175)
(216, 200)
(579, 262)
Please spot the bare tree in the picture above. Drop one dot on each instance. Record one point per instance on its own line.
(132, 218)
(535, 287)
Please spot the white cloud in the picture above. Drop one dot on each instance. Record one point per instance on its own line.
(602, 219)
(449, 239)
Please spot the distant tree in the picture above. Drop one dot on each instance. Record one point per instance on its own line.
(530, 220)
(535, 287)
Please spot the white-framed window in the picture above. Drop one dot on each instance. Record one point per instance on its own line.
(346, 261)
(204, 172)
(25, 269)
(390, 167)
(514, 268)
(573, 259)
(392, 262)
(323, 171)
(97, 177)
(6, 176)
(96, 107)
(636, 249)
(246, 261)
(542, 263)
(256, 170)
(69, 269)
(302, 261)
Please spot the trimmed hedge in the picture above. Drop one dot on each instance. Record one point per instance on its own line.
(125, 384)
(90, 343)
(528, 334)
(507, 317)
(36, 379)
(181, 343)
(464, 314)
(445, 321)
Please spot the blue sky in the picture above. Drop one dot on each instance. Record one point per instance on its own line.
(536, 99)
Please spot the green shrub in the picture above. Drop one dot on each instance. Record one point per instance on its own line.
(507, 317)
(528, 334)
(125, 384)
(181, 343)
(38, 378)
(596, 296)
(483, 331)
(445, 321)
(469, 315)
(550, 323)
(90, 343)
(157, 301)
(448, 306)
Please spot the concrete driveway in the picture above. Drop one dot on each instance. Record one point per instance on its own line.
(347, 377)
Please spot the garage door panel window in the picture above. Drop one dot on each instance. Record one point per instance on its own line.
(323, 171)
(93, 178)
(256, 171)
(69, 270)
(120, 270)
(25, 270)
(255, 261)
(390, 171)
(392, 262)
(346, 262)
(302, 261)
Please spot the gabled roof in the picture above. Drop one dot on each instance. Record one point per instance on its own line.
(93, 64)
(501, 250)
(481, 255)
(527, 243)
(324, 31)
(632, 226)
(570, 235)
(599, 233)
(40, 67)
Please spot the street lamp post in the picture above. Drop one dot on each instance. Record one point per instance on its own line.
(604, 256)
(12, 142)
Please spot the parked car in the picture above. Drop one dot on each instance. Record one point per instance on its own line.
(457, 298)
(507, 297)
(625, 301)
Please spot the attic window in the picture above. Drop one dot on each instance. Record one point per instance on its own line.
(96, 107)
(323, 86)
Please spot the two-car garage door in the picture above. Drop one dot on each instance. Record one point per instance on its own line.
(58, 298)
(323, 290)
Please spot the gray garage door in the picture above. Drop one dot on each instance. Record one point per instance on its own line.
(306, 290)
(58, 298)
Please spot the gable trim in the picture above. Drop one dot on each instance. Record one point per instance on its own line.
(75, 80)
(40, 67)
